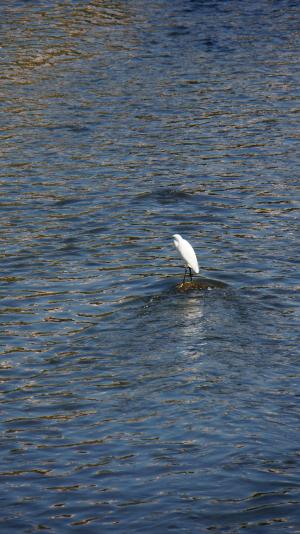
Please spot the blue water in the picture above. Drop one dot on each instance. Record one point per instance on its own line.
(127, 406)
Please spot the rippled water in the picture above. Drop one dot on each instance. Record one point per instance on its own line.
(127, 406)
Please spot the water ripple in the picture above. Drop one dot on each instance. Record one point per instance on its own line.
(124, 403)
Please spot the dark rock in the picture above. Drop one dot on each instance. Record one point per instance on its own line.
(199, 284)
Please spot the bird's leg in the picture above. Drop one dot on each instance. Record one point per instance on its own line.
(191, 276)
(184, 275)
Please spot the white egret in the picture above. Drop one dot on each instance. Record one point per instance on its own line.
(187, 252)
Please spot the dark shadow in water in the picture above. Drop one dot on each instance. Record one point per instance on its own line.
(166, 195)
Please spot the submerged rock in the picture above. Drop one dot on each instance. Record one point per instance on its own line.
(199, 284)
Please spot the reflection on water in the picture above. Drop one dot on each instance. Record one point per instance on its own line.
(126, 404)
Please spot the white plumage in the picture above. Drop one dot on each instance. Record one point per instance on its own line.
(187, 253)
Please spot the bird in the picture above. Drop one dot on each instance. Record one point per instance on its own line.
(187, 252)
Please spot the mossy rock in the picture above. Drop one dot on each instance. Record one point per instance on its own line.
(199, 284)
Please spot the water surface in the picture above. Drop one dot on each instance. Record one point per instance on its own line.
(125, 405)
